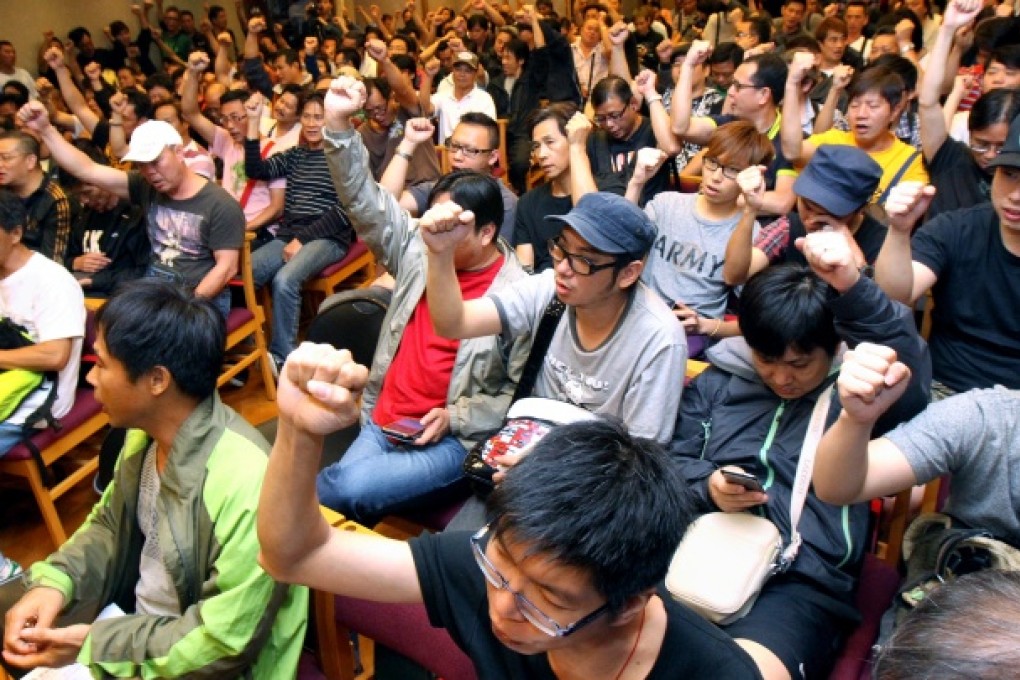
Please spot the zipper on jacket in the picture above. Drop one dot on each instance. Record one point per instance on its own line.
(189, 580)
(763, 454)
(706, 425)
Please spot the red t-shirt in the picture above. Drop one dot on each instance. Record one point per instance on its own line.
(419, 376)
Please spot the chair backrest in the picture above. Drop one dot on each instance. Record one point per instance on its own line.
(352, 320)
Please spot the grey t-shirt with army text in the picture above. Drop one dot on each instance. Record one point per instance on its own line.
(686, 261)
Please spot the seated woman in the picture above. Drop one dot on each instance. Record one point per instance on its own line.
(750, 412)
(685, 266)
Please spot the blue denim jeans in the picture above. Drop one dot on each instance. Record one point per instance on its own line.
(376, 478)
(287, 278)
(10, 435)
(221, 301)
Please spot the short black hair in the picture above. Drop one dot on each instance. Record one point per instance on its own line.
(770, 73)
(611, 87)
(479, 21)
(351, 56)
(483, 120)
(215, 11)
(783, 307)
(899, 65)
(595, 497)
(1007, 55)
(560, 112)
(20, 91)
(761, 27)
(380, 85)
(12, 211)
(519, 49)
(76, 34)
(887, 83)
(1000, 105)
(117, 27)
(404, 62)
(151, 322)
(475, 192)
(726, 51)
(140, 101)
(234, 96)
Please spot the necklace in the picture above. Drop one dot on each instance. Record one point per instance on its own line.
(626, 662)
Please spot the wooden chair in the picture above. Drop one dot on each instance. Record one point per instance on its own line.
(403, 628)
(504, 159)
(355, 270)
(444, 159)
(85, 419)
(247, 323)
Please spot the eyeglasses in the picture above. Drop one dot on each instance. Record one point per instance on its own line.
(236, 118)
(738, 86)
(610, 117)
(528, 609)
(985, 147)
(712, 164)
(376, 110)
(578, 263)
(469, 151)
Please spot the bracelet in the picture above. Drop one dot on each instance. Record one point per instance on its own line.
(718, 323)
(652, 100)
(403, 154)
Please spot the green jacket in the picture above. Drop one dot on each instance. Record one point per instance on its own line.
(235, 621)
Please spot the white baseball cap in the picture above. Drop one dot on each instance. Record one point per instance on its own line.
(149, 139)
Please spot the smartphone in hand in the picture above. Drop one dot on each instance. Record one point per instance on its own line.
(404, 430)
(748, 481)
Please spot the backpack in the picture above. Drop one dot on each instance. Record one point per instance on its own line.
(17, 385)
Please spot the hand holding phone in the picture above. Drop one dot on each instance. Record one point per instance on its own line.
(403, 430)
(748, 481)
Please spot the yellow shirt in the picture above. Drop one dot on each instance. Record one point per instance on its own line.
(890, 160)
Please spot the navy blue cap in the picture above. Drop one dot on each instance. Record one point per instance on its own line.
(610, 224)
(1010, 153)
(839, 178)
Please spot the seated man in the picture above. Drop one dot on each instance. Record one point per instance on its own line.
(49, 213)
(877, 97)
(196, 229)
(474, 145)
(750, 412)
(967, 258)
(558, 581)
(172, 540)
(685, 266)
(108, 241)
(457, 390)
(833, 191)
(40, 297)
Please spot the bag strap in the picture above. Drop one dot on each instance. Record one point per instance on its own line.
(899, 175)
(249, 186)
(591, 74)
(805, 466)
(540, 345)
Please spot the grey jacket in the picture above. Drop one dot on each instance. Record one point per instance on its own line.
(486, 369)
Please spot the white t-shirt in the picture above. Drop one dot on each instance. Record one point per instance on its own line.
(449, 109)
(43, 297)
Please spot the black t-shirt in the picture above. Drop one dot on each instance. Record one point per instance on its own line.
(959, 181)
(530, 225)
(454, 592)
(869, 237)
(975, 335)
(613, 161)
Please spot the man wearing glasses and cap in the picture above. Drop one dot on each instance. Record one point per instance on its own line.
(195, 227)
(449, 106)
(970, 260)
(559, 583)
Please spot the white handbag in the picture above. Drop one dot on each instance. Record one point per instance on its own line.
(725, 558)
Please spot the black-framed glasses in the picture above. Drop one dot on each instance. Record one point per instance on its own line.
(375, 111)
(711, 164)
(528, 609)
(469, 151)
(613, 117)
(579, 264)
(738, 86)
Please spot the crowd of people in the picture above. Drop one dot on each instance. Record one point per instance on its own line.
(776, 189)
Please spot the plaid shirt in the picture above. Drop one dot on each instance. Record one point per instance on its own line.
(774, 238)
(707, 104)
